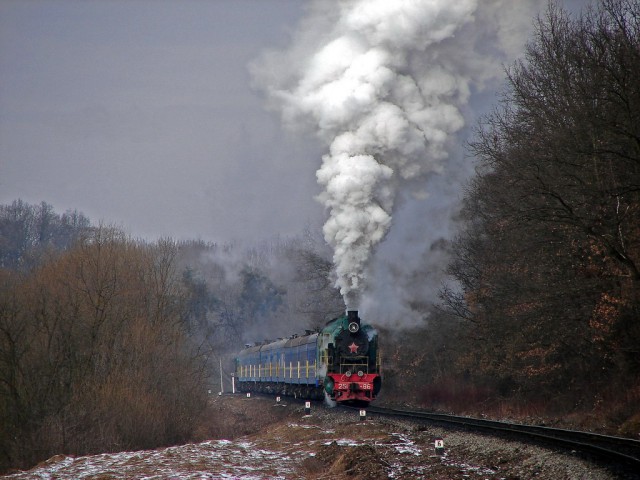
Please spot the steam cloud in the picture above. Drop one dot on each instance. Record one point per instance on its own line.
(384, 84)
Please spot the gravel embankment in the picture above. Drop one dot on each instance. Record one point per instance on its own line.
(348, 448)
(257, 439)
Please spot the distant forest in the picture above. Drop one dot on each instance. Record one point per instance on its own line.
(109, 343)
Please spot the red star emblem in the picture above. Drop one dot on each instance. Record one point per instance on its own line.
(353, 348)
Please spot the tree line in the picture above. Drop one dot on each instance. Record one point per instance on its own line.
(92, 352)
(545, 306)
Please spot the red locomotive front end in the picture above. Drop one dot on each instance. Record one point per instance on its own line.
(352, 359)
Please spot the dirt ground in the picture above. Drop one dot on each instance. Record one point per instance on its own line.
(258, 439)
(332, 443)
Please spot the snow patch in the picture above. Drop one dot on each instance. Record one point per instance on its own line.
(208, 460)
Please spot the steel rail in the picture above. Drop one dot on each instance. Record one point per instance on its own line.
(611, 448)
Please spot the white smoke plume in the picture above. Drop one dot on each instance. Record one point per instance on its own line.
(384, 83)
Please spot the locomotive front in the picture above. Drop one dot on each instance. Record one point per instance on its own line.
(350, 351)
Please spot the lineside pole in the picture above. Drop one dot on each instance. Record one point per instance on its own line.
(221, 385)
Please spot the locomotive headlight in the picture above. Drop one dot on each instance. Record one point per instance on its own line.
(360, 373)
(348, 373)
(354, 327)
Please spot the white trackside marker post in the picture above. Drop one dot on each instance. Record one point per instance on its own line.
(439, 444)
(363, 415)
(307, 408)
(248, 394)
(277, 399)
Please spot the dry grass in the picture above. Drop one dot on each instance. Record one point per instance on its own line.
(617, 414)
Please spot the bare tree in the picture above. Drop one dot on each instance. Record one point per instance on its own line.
(548, 264)
(93, 356)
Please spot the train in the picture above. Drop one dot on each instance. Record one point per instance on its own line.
(340, 363)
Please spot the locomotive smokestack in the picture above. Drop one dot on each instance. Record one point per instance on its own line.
(352, 316)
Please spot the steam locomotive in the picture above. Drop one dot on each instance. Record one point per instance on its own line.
(340, 363)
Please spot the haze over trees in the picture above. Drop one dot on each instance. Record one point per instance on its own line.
(29, 230)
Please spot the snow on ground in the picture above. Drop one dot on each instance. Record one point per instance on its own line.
(285, 444)
(216, 459)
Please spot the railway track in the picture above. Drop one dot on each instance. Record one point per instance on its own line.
(614, 450)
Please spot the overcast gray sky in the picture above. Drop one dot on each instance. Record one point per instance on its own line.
(140, 113)
(151, 115)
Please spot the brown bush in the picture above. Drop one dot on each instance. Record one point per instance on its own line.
(631, 428)
(93, 355)
(457, 396)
